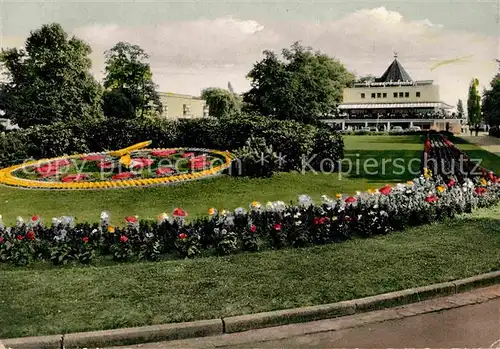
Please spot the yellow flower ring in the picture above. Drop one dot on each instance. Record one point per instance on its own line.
(7, 176)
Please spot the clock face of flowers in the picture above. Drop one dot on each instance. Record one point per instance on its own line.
(129, 167)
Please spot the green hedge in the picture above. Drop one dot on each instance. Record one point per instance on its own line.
(289, 139)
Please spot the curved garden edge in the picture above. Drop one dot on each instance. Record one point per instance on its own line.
(203, 328)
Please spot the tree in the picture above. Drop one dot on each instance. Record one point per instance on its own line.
(305, 86)
(221, 102)
(491, 102)
(460, 109)
(366, 78)
(474, 105)
(129, 83)
(49, 81)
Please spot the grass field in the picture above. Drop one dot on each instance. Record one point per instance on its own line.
(44, 300)
(224, 192)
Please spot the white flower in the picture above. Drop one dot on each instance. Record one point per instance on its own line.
(375, 207)
(298, 223)
(296, 215)
(55, 221)
(358, 193)
(287, 214)
(239, 211)
(305, 200)
(19, 220)
(359, 217)
(104, 216)
(279, 205)
(269, 205)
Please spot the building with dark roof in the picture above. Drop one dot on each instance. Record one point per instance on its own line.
(394, 99)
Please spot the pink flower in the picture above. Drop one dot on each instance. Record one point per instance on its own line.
(431, 199)
(350, 200)
(253, 228)
(480, 191)
(386, 190)
(183, 236)
(131, 219)
(277, 226)
(123, 238)
(179, 212)
(85, 239)
(451, 183)
(1, 239)
(19, 237)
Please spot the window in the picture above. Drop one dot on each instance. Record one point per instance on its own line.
(363, 95)
(418, 94)
(395, 95)
(373, 95)
(379, 95)
(401, 94)
(407, 94)
(384, 95)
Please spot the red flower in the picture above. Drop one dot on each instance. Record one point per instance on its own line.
(386, 190)
(131, 219)
(163, 153)
(96, 157)
(431, 199)
(123, 238)
(31, 235)
(491, 175)
(123, 175)
(316, 221)
(34, 218)
(85, 239)
(495, 180)
(1, 239)
(253, 228)
(323, 220)
(277, 226)
(164, 171)
(19, 237)
(480, 191)
(179, 212)
(75, 177)
(183, 236)
(451, 183)
(350, 200)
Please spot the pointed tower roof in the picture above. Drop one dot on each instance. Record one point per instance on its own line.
(395, 72)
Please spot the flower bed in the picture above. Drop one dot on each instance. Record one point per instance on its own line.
(129, 167)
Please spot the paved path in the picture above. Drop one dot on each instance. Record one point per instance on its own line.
(488, 143)
(469, 319)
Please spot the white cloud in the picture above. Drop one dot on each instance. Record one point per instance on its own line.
(187, 56)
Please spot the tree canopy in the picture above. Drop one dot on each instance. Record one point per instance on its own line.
(460, 109)
(474, 104)
(491, 102)
(221, 102)
(130, 90)
(49, 80)
(304, 86)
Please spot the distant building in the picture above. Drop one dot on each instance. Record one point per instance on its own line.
(395, 99)
(178, 106)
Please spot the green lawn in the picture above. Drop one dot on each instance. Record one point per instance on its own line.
(42, 300)
(224, 192)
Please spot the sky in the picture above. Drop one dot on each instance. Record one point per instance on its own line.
(198, 44)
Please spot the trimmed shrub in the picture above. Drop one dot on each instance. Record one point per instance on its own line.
(255, 159)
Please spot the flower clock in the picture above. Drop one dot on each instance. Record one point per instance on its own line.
(134, 166)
